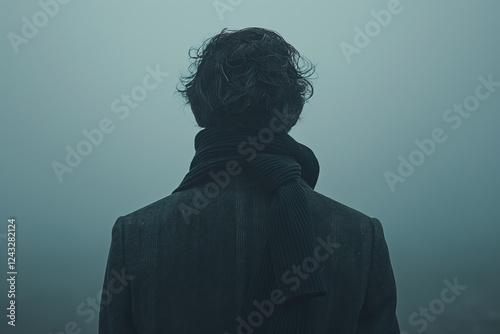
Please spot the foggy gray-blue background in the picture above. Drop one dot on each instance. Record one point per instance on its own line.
(440, 224)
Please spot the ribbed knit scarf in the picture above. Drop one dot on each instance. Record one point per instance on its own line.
(276, 161)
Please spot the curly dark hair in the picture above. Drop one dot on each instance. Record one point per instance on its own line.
(238, 77)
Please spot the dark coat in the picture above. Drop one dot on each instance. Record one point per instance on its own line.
(169, 275)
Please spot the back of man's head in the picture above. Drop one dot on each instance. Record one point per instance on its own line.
(238, 77)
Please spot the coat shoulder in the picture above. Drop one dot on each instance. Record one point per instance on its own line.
(330, 211)
(153, 210)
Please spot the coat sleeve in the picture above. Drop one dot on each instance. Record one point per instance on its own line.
(115, 315)
(378, 313)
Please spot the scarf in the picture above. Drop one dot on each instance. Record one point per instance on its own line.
(276, 161)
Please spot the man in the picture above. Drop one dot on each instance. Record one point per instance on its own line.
(245, 244)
